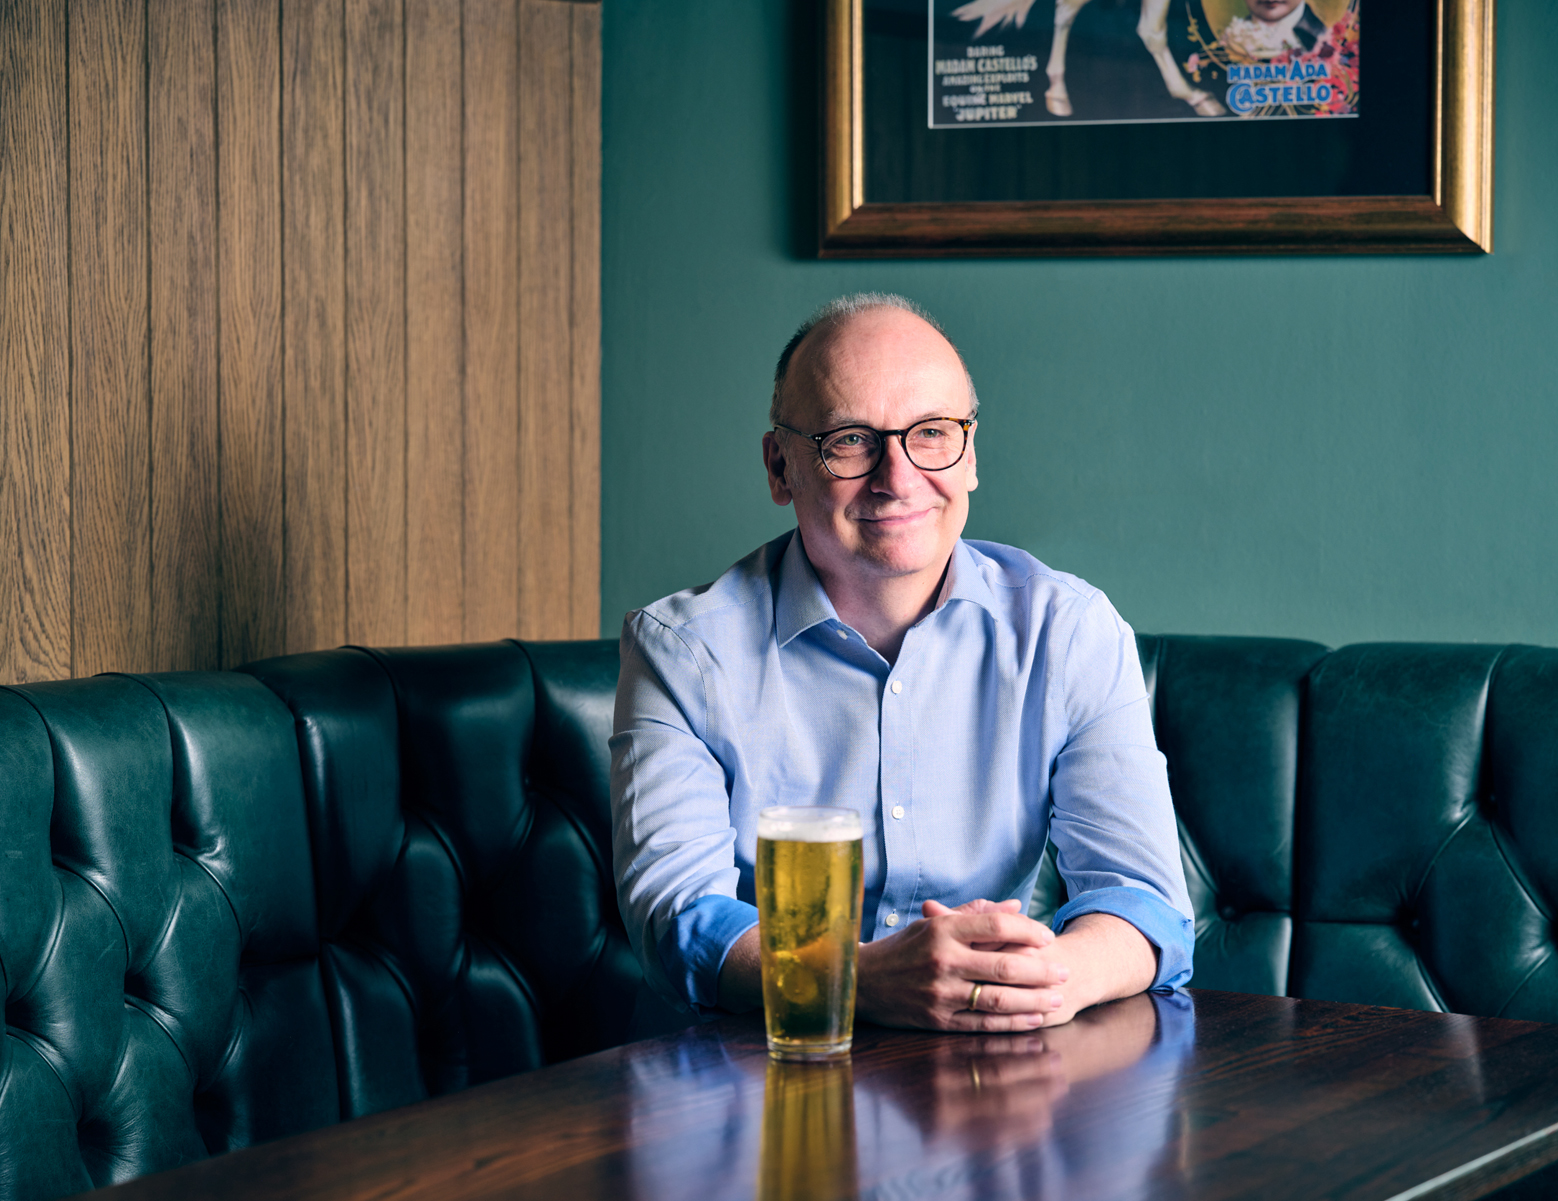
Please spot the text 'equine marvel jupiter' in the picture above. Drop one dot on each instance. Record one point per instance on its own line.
(1152, 29)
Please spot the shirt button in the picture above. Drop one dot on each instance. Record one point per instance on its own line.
(897, 687)
(898, 811)
(892, 919)
(844, 634)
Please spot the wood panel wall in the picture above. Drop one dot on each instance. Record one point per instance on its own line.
(299, 327)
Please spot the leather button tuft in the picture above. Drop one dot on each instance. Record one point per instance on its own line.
(1228, 913)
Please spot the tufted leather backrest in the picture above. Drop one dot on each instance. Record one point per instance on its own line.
(235, 906)
(1428, 830)
(1377, 824)
(157, 929)
(458, 809)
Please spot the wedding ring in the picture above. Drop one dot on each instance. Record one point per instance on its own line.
(973, 998)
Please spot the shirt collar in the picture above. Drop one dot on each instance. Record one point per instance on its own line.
(802, 602)
(966, 582)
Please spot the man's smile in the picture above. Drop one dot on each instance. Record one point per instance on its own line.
(892, 520)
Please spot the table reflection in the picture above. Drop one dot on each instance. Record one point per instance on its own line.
(986, 1092)
(808, 1151)
(1086, 1109)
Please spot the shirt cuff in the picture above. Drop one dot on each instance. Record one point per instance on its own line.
(693, 949)
(1160, 923)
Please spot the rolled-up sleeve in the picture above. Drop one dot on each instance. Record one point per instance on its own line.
(1112, 821)
(673, 847)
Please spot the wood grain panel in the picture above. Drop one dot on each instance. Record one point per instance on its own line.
(314, 321)
(34, 344)
(299, 327)
(584, 465)
(375, 324)
(435, 344)
(545, 318)
(111, 543)
(492, 319)
(249, 195)
(186, 580)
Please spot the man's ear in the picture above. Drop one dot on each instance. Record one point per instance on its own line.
(776, 464)
(973, 462)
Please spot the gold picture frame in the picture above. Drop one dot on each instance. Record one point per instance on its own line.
(1457, 217)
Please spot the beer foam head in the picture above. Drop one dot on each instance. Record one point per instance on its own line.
(808, 823)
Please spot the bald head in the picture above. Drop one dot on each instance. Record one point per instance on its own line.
(866, 331)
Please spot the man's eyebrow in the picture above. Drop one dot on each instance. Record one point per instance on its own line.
(832, 418)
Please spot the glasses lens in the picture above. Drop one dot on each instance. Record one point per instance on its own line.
(934, 445)
(851, 451)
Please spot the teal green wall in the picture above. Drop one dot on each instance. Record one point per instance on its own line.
(1328, 448)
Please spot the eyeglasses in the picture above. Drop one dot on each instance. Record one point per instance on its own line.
(852, 451)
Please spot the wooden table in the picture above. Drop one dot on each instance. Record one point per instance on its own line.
(1206, 1096)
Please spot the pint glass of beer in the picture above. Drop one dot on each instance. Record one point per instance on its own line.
(808, 902)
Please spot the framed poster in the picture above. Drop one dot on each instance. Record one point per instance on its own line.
(1129, 127)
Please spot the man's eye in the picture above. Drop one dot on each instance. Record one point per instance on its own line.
(849, 441)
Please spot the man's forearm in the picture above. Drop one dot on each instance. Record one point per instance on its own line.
(741, 975)
(1108, 957)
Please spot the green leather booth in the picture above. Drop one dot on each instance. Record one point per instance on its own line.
(239, 905)
(1376, 824)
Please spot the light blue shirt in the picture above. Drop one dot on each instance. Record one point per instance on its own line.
(1016, 712)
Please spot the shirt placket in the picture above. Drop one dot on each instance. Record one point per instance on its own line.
(896, 801)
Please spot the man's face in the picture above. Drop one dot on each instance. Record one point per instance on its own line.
(1271, 10)
(887, 369)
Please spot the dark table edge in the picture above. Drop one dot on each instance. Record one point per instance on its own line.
(1488, 1172)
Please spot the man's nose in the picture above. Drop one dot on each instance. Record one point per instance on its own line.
(895, 472)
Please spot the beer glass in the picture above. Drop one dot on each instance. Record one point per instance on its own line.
(809, 885)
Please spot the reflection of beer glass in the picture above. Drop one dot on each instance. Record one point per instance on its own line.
(808, 1133)
(808, 903)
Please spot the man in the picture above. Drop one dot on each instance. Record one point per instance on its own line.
(963, 698)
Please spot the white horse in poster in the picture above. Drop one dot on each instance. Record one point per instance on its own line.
(1152, 29)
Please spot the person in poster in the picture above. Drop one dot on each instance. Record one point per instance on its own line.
(1284, 59)
(1274, 26)
(1242, 59)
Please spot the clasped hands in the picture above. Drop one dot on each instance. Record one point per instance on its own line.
(925, 975)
